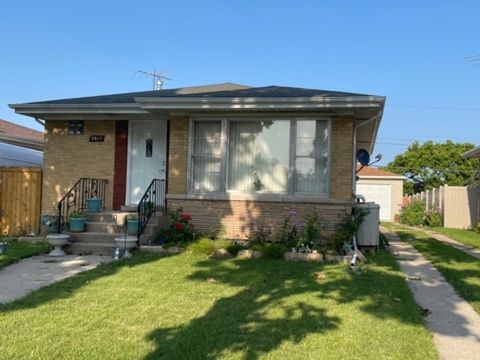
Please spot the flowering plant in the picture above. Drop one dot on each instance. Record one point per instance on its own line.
(181, 229)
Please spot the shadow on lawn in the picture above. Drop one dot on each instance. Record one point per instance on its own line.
(277, 302)
(67, 288)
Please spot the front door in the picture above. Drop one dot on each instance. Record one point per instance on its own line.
(147, 160)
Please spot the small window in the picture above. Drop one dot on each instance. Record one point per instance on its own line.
(76, 127)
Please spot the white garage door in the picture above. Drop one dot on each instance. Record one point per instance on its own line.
(381, 194)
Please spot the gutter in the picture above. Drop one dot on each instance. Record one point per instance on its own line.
(26, 143)
(203, 103)
(148, 105)
(33, 109)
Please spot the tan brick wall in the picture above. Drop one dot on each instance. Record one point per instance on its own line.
(239, 217)
(70, 157)
(341, 159)
(178, 155)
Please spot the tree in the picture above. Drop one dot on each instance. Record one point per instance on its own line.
(429, 165)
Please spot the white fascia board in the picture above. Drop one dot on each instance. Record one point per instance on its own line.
(33, 109)
(200, 103)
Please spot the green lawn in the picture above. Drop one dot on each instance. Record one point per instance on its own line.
(18, 250)
(459, 269)
(191, 307)
(467, 237)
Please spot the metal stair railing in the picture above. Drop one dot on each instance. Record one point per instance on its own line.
(76, 198)
(152, 200)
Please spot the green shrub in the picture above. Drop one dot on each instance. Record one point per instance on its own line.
(433, 219)
(203, 246)
(234, 249)
(274, 251)
(348, 227)
(207, 246)
(287, 234)
(260, 236)
(413, 214)
(312, 231)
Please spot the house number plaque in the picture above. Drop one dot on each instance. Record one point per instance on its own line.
(97, 138)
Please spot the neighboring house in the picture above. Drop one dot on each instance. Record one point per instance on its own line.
(234, 157)
(382, 187)
(19, 145)
(474, 153)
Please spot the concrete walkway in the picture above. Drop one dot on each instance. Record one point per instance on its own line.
(449, 241)
(454, 323)
(19, 279)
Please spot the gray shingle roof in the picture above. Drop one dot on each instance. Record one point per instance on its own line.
(225, 90)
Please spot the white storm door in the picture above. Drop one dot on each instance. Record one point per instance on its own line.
(380, 194)
(147, 157)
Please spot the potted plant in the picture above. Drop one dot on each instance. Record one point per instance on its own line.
(148, 207)
(94, 204)
(133, 224)
(3, 246)
(76, 221)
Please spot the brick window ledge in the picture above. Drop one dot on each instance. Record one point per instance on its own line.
(260, 197)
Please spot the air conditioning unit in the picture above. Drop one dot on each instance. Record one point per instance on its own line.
(368, 233)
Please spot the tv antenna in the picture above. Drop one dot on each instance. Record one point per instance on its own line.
(158, 78)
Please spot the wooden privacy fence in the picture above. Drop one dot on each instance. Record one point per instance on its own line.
(20, 198)
(459, 205)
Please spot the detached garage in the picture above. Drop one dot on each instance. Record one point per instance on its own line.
(382, 187)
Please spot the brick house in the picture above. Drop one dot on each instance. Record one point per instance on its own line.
(234, 157)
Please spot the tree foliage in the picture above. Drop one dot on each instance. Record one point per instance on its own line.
(433, 164)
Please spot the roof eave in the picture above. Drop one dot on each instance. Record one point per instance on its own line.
(23, 142)
(45, 109)
(148, 105)
(252, 103)
(474, 153)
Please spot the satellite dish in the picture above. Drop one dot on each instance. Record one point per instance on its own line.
(363, 157)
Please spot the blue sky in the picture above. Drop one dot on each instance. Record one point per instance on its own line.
(413, 52)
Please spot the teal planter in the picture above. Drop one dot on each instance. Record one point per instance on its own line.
(77, 224)
(3, 248)
(132, 227)
(94, 205)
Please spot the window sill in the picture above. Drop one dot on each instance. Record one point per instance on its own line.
(259, 197)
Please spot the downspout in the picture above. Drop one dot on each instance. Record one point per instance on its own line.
(40, 122)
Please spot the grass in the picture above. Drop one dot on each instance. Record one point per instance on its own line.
(18, 250)
(459, 269)
(467, 237)
(191, 307)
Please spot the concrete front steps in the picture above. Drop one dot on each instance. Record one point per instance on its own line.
(100, 233)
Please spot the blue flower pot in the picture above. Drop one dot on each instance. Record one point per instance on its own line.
(77, 224)
(3, 248)
(94, 205)
(132, 227)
